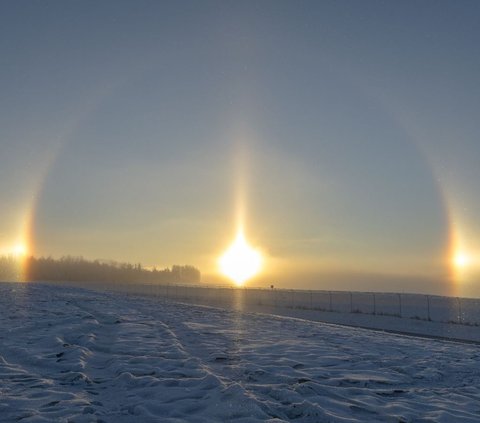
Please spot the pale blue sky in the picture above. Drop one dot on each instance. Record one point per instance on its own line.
(121, 124)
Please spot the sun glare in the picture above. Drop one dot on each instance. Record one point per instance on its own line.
(19, 250)
(461, 259)
(240, 262)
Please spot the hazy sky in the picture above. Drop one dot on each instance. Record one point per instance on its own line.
(130, 130)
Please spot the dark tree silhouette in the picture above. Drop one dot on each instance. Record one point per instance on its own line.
(77, 269)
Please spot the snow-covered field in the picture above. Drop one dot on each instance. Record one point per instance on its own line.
(69, 354)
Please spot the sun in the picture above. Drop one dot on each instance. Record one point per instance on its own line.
(240, 262)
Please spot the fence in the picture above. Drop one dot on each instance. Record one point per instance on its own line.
(465, 311)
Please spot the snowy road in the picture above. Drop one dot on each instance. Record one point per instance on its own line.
(75, 355)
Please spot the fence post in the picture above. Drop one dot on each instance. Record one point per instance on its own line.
(293, 299)
(428, 308)
(400, 305)
(374, 305)
(459, 310)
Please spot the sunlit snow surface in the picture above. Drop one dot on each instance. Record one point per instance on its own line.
(76, 355)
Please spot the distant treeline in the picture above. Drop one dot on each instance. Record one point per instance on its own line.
(78, 269)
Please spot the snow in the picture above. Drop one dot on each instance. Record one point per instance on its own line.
(417, 314)
(69, 354)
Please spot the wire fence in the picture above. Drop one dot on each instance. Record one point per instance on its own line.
(465, 311)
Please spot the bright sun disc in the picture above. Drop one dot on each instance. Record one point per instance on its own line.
(240, 262)
(462, 260)
(19, 250)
